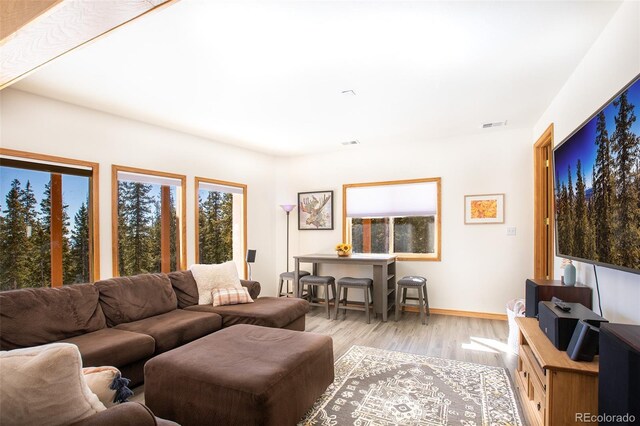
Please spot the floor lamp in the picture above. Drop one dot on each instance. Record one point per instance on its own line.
(288, 208)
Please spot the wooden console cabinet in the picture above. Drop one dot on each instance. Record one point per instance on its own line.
(552, 387)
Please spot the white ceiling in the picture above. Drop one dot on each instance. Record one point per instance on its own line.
(268, 75)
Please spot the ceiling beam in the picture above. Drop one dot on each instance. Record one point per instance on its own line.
(35, 32)
(17, 14)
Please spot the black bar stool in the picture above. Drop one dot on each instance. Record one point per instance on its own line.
(346, 283)
(318, 281)
(288, 276)
(416, 282)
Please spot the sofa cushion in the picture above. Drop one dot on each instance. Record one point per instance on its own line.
(175, 328)
(276, 312)
(253, 287)
(113, 347)
(36, 316)
(128, 299)
(185, 288)
(44, 385)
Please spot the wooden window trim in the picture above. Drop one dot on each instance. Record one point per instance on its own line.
(366, 235)
(197, 181)
(182, 262)
(55, 189)
(165, 228)
(400, 256)
(543, 205)
(94, 207)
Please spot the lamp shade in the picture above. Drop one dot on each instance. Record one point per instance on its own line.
(288, 207)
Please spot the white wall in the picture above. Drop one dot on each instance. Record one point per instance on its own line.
(37, 124)
(481, 268)
(611, 63)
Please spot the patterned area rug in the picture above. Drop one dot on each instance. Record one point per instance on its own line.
(380, 387)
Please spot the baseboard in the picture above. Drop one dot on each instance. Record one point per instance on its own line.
(453, 312)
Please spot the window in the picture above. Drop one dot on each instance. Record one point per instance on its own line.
(48, 220)
(221, 227)
(149, 230)
(399, 217)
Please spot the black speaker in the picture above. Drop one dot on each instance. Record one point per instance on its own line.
(619, 376)
(584, 342)
(251, 256)
(538, 290)
(559, 325)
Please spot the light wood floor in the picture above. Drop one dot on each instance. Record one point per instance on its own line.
(476, 340)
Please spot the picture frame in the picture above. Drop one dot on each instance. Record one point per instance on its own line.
(483, 209)
(315, 210)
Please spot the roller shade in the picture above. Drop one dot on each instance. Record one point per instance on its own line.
(204, 186)
(46, 166)
(413, 199)
(142, 178)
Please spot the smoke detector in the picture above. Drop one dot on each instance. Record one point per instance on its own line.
(354, 142)
(494, 124)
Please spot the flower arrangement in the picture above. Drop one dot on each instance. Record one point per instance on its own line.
(343, 249)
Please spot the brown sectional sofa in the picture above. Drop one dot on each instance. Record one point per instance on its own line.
(265, 311)
(125, 321)
(127, 414)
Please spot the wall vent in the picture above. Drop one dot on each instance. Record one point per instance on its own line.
(494, 124)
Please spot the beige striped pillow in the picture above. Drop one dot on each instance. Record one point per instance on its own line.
(230, 296)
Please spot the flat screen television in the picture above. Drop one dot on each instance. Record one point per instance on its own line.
(597, 186)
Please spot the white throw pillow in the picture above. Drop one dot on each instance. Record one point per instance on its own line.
(99, 379)
(101, 382)
(44, 385)
(209, 277)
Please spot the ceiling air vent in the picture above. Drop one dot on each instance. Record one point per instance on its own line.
(350, 143)
(495, 124)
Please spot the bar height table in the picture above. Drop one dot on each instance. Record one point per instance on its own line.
(384, 275)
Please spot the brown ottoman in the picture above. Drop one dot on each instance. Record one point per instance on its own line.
(241, 375)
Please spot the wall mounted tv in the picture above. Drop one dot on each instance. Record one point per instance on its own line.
(597, 186)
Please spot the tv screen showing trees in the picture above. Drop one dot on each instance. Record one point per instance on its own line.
(597, 186)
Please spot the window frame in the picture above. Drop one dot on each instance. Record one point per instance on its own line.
(182, 263)
(346, 234)
(197, 181)
(93, 207)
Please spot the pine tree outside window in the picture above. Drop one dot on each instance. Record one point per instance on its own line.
(48, 221)
(149, 230)
(397, 217)
(221, 233)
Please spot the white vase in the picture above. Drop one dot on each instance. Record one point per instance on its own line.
(570, 275)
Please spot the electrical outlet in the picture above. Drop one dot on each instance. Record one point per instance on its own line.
(511, 231)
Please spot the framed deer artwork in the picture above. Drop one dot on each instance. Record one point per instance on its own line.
(315, 210)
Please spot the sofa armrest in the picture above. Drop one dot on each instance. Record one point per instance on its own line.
(125, 414)
(253, 287)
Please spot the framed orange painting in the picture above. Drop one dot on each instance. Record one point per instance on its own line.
(483, 209)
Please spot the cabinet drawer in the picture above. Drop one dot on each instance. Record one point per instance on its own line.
(533, 362)
(538, 398)
(524, 371)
